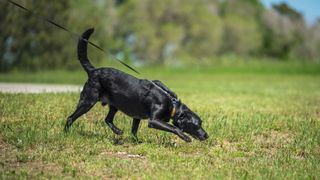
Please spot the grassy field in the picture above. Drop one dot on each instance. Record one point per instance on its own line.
(263, 122)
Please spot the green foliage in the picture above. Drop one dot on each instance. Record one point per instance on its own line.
(159, 26)
(29, 43)
(283, 36)
(154, 32)
(286, 10)
(242, 36)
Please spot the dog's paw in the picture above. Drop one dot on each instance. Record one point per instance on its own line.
(118, 131)
(182, 135)
(186, 138)
(135, 139)
(66, 129)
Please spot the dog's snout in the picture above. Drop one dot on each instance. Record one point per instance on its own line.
(206, 136)
(202, 135)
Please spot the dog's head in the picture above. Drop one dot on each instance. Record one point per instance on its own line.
(189, 122)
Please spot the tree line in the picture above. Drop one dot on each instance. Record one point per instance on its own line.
(155, 32)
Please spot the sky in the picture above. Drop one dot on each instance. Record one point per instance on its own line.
(309, 8)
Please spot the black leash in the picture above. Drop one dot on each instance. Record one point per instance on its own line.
(70, 32)
(173, 100)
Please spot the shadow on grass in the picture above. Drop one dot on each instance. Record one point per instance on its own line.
(121, 140)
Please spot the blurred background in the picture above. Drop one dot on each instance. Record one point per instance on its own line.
(162, 33)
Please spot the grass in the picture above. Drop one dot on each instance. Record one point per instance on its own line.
(237, 67)
(263, 123)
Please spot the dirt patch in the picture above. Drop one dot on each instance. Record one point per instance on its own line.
(7, 153)
(272, 141)
(229, 146)
(140, 164)
(10, 162)
(123, 155)
(14, 162)
(318, 114)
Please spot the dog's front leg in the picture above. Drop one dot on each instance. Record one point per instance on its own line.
(161, 125)
(135, 127)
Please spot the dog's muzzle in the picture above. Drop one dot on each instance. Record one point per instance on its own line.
(202, 135)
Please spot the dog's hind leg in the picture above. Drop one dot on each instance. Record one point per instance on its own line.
(109, 120)
(81, 109)
(135, 127)
(88, 98)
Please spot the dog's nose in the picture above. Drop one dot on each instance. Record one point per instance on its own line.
(206, 136)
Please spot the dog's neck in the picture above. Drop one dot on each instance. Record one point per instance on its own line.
(175, 104)
(175, 113)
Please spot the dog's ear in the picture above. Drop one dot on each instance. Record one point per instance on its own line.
(178, 102)
(178, 123)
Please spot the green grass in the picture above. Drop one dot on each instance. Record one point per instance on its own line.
(262, 124)
(252, 67)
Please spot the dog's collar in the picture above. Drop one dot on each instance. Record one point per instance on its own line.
(174, 108)
(173, 112)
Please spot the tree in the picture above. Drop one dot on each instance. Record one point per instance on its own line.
(242, 33)
(168, 28)
(26, 41)
(284, 31)
(308, 49)
(285, 10)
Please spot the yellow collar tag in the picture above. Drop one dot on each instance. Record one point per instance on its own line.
(173, 111)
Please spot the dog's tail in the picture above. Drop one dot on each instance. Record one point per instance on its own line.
(82, 51)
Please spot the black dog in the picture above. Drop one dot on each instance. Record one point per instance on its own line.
(138, 98)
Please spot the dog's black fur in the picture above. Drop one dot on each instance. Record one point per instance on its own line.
(138, 98)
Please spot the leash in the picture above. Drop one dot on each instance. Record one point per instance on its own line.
(72, 33)
(173, 99)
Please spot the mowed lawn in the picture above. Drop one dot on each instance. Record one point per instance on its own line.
(261, 123)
